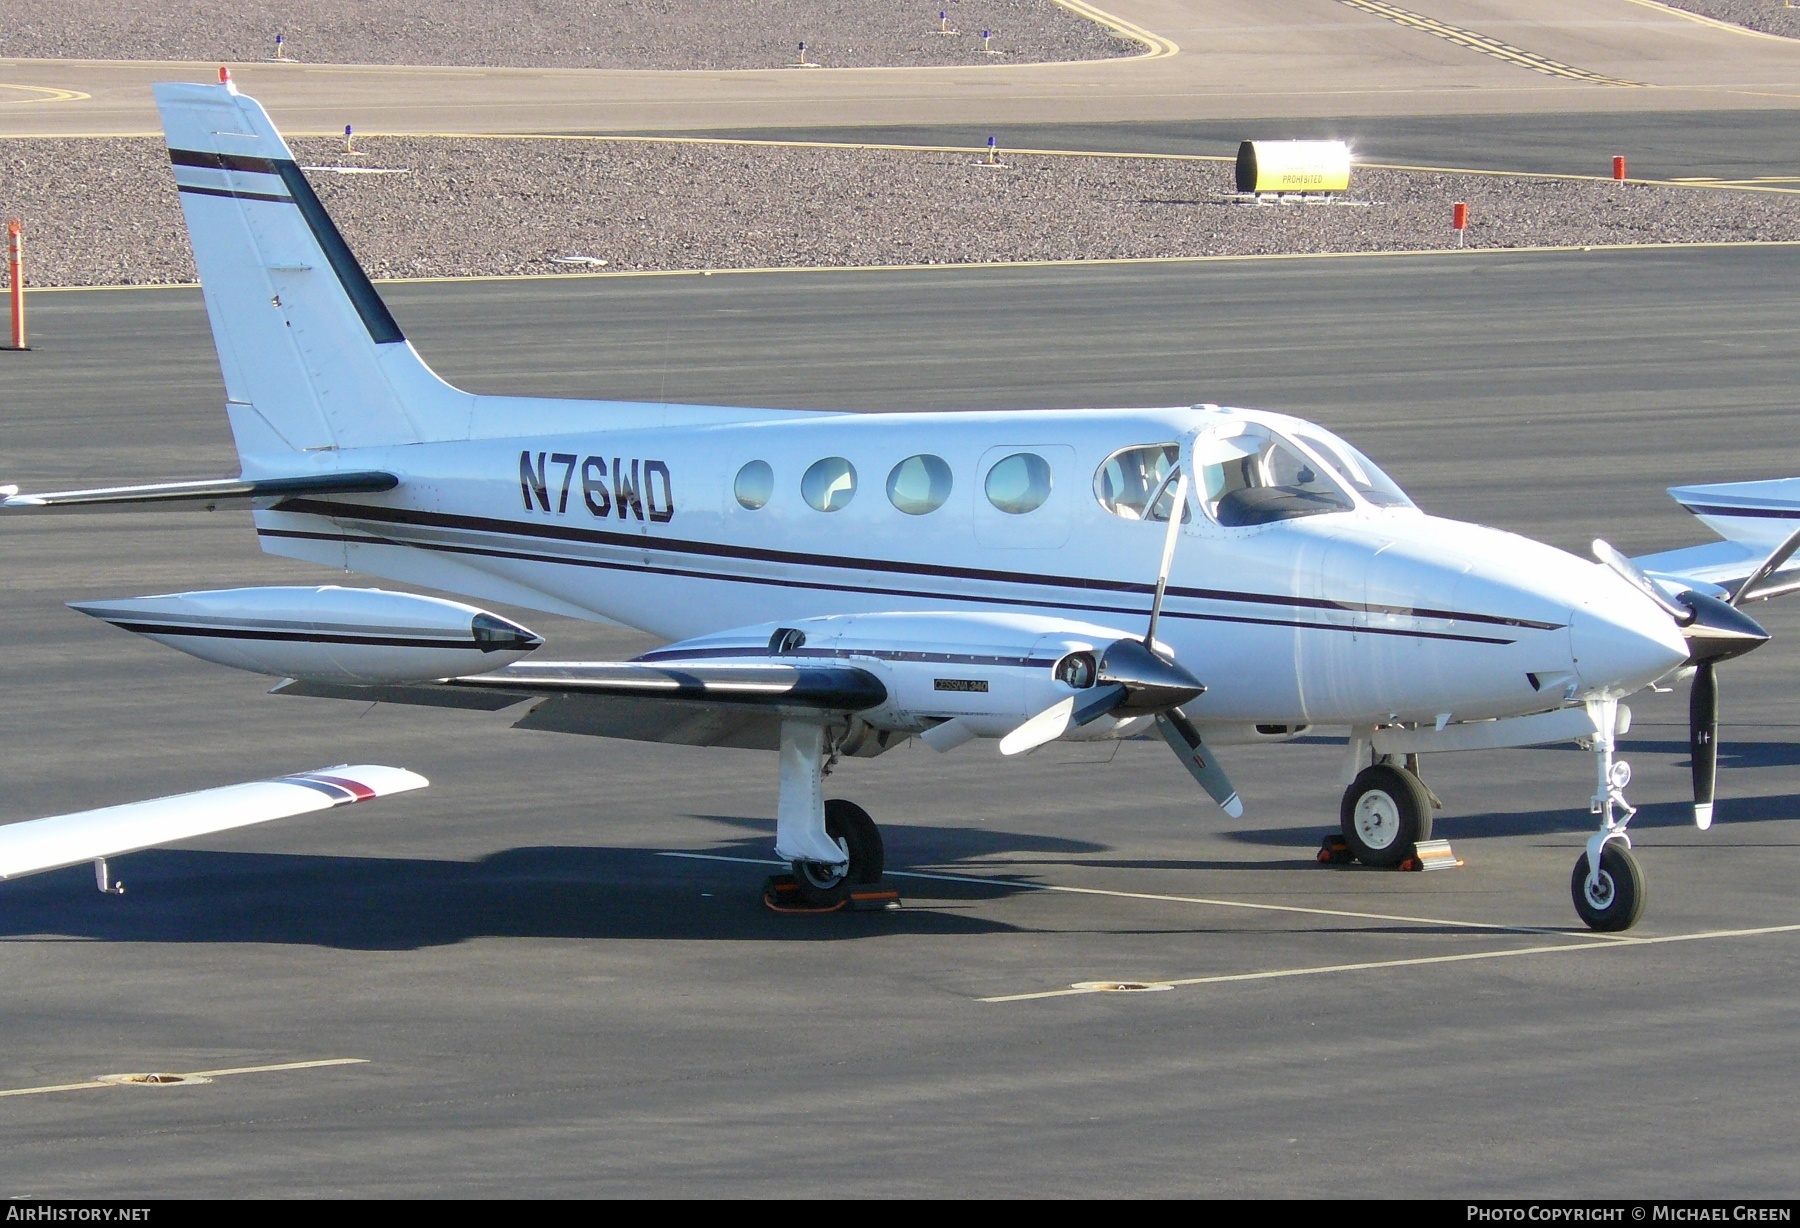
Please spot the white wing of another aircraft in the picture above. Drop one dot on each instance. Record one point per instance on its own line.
(1758, 521)
(94, 835)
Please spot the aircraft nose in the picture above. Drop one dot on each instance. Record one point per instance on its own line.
(1621, 640)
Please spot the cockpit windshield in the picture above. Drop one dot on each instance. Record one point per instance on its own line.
(1357, 470)
(1256, 477)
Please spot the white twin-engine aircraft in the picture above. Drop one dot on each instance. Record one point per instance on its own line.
(832, 584)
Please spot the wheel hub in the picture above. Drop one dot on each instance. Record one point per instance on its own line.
(1599, 891)
(1377, 819)
(823, 875)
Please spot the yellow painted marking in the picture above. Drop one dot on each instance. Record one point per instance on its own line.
(1156, 46)
(192, 1074)
(1483, 43)
(1010, 264)
(1156, 898)
(50, 93)
(1714, 22)
(1419, 962)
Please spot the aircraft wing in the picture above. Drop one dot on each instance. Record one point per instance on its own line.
(70, 839)
(1756, 519)
(691, 703)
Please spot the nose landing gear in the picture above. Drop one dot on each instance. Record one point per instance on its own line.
(1607, 885)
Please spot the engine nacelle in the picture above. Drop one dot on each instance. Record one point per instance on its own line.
(360, 636)
(987, 673)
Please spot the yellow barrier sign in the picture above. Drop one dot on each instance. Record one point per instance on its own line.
(1293, 166)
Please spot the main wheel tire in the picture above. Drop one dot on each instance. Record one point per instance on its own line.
(850, 823)
(1385, 813)
(1616, 900)
(850, 826)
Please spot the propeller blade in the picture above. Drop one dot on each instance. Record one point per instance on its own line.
(1104, 699)
(1168, 555)
(1046, 726)
(1062, 716)
(1768, 567)
(1179, 732)
(1634, 575)
(1703, 740)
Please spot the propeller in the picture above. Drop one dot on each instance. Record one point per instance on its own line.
(1131, 677)
(1715, 631)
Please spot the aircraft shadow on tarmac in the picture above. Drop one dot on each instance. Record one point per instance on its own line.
(398, 903)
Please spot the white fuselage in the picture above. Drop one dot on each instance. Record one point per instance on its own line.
(1364, 616)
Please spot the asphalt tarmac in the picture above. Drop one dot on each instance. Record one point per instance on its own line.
(548, 1003)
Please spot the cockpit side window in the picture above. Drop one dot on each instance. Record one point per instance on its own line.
(1362, 474)
(1125, 481)
(1256, 477)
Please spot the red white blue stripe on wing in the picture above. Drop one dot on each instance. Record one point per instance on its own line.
(340, 789)
(69, 839)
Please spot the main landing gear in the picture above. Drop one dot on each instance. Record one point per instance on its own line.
(1386, 812)
(824, 884)
(833, 846)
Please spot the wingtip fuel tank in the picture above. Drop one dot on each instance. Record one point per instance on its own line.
(362, 636)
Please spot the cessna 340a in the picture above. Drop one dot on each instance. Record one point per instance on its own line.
(832, 584)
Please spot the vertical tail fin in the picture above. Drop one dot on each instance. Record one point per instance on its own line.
(311, 356)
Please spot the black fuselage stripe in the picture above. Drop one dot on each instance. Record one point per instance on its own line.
(1764, 513)
(234, 195)
(638, 542)
(823, 586)
(222, 161)
(297, 637)
(380, 323)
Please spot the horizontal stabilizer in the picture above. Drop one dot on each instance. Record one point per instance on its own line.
(70, 839)
(205, 494)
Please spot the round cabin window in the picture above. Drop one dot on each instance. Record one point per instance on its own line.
(919, 484)
(829, 484)
(755, 484)
(1019, 484)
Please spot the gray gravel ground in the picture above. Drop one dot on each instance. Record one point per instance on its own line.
(709, 34)
(104, 212)
(1769, 16)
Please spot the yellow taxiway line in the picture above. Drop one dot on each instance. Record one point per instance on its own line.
(1098, 262)
(1483, 43)
(52, 93)
(1156, 46)
(1701, 19)
(116, 1080)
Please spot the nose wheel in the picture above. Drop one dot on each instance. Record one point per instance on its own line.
(1386, 812)
(1613, 899)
